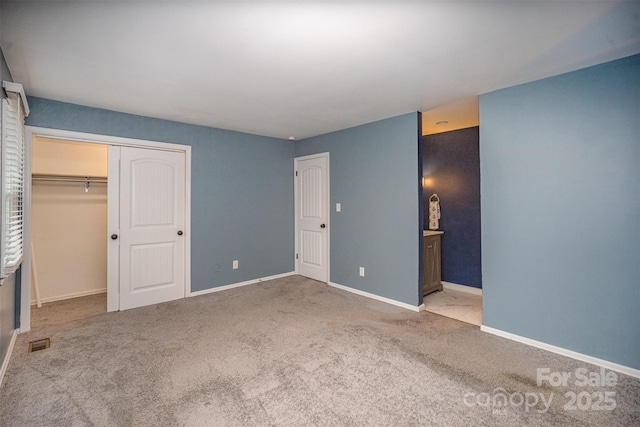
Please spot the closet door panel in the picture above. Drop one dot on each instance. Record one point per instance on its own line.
(152, 220)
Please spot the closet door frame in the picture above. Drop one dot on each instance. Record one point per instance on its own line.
(30, 132)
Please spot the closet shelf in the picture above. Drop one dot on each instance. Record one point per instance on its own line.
(70, 178)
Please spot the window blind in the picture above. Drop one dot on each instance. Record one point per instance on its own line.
(12, 153)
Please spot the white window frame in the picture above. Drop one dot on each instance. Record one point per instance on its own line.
(12, 178)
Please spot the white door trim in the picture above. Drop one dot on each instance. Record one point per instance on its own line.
(328, 208)
(30, 131)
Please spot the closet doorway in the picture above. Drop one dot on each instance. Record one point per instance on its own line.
(68, 220)
(103, 183)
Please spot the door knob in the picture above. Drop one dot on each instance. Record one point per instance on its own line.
(114, 236)
(179, 232)
(322, 225)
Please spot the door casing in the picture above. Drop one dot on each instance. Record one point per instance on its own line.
(30, 131)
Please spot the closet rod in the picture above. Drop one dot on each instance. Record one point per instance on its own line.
(63, 178)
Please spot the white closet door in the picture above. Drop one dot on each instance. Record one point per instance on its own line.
(150, 239)
(311, 211)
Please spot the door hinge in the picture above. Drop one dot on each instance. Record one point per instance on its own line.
(296, 256)
(296, 173)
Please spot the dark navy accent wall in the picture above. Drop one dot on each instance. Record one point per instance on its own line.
(374, 175)
(241, 189)
(451, 168)
(560, 162)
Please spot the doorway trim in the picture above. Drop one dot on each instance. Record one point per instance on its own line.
(328, 209)
(30, 132)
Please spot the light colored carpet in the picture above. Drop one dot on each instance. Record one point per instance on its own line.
(289, 352)
(69, 310)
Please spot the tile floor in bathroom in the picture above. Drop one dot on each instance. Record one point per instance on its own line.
(463, 306)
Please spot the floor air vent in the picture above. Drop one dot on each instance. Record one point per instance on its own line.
(38, 345)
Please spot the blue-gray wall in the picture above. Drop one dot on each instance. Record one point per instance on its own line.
(560, 167)
(374, 175)
(241, 189)
(451, 164)
(8, 288)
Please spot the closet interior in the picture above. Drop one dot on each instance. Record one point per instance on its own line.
(68, 220)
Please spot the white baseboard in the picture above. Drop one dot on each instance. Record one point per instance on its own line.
(632, 372)
(237, 285)
(70, 296)
(5, 362)
(378, 297)
(462, 288)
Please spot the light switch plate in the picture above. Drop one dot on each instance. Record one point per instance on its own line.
(235, 264)
(338, 207)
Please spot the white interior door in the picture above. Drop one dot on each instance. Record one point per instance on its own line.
(311, 217)
(150, 235)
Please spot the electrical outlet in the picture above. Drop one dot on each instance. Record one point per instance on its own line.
(338, 207)
(235, 264)
(361, 271)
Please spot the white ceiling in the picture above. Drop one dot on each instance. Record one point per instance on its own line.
(301, 68)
